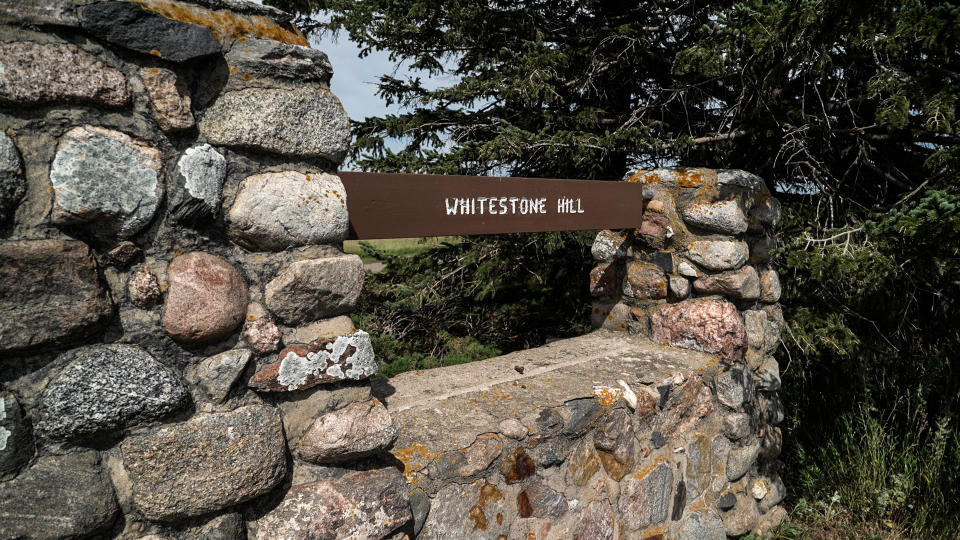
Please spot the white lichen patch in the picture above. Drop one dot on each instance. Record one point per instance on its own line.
(203, 170)
(4, 434)
(295, 369)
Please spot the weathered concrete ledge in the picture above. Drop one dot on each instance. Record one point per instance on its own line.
(606, 435)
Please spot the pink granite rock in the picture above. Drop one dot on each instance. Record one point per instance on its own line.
(705, 325)
(169, 99)
(207, 298)
(263, 336)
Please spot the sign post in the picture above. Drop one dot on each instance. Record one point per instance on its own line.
(387, 205)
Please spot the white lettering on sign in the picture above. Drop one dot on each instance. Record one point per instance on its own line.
(468, 206)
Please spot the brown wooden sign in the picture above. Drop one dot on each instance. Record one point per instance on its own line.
(386, 205)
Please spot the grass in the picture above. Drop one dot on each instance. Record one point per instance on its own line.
(400, 247)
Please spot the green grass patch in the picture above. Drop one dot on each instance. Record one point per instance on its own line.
(398, 247)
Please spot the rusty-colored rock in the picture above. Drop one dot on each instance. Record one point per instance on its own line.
(207, 298)
(517, 466)
(645, 280)
(324, 361)
(604, 280)
(705, 325)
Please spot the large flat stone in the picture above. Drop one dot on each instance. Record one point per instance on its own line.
(66, 496)
(35, 73)
(107, 179)
(275, 60)
(12, 182)
(307, 121)
(704, 325)
(742, 284)
(725, 217)
(326, 361)
(358, 505)
(275, 211)
(355, 431)
(315, 289)
(49, 294)
(207, 463)
(105, 388)
(129, 25)
(207, 299)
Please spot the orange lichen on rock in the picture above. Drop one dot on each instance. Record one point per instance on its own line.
(414, 458)
(227, 25)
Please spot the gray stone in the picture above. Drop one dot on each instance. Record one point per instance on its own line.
(513, 428)
(49, 294)
(420, 507)
(718, 255)
(207, 463)
(469, 511)
(306, 121)
(740, 178)
(207, 298)
(741, 519)
(645, 280)
(539, 500)
(687, 270)
(702, 526)
(608, 246)
(768, 375)
(551, 452)
(645, 500)
(274, 60)
(275, 211)
(316, 288)
(36, 73)
(355, 431)
(596, 522)
(727, 501)
(59, 12)
(128, 25)
(740, 459)
(215, 376)
(202, 170)
(327, 361)
(742, 284)
(736, 425)
(143, 289)
(300, 409)
(67, 496)
(771, 408)
(358, 505)
(776, 491)
(766, 211)
(580, 415)
(679, 287)
(105, 178)
(106, 388)
(775, 326)
(725, 217)
(769, 286)
(755, 322)
(615, 442)
(770, 521)
(169, 99)
(734, 387)
(16, 441)
(224, 527)
(12, 182)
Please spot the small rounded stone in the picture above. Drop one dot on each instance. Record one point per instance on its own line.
(207, 298)
(263, 336)
(143, 288)
(513, 428)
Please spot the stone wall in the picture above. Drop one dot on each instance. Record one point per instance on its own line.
(176, 359)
